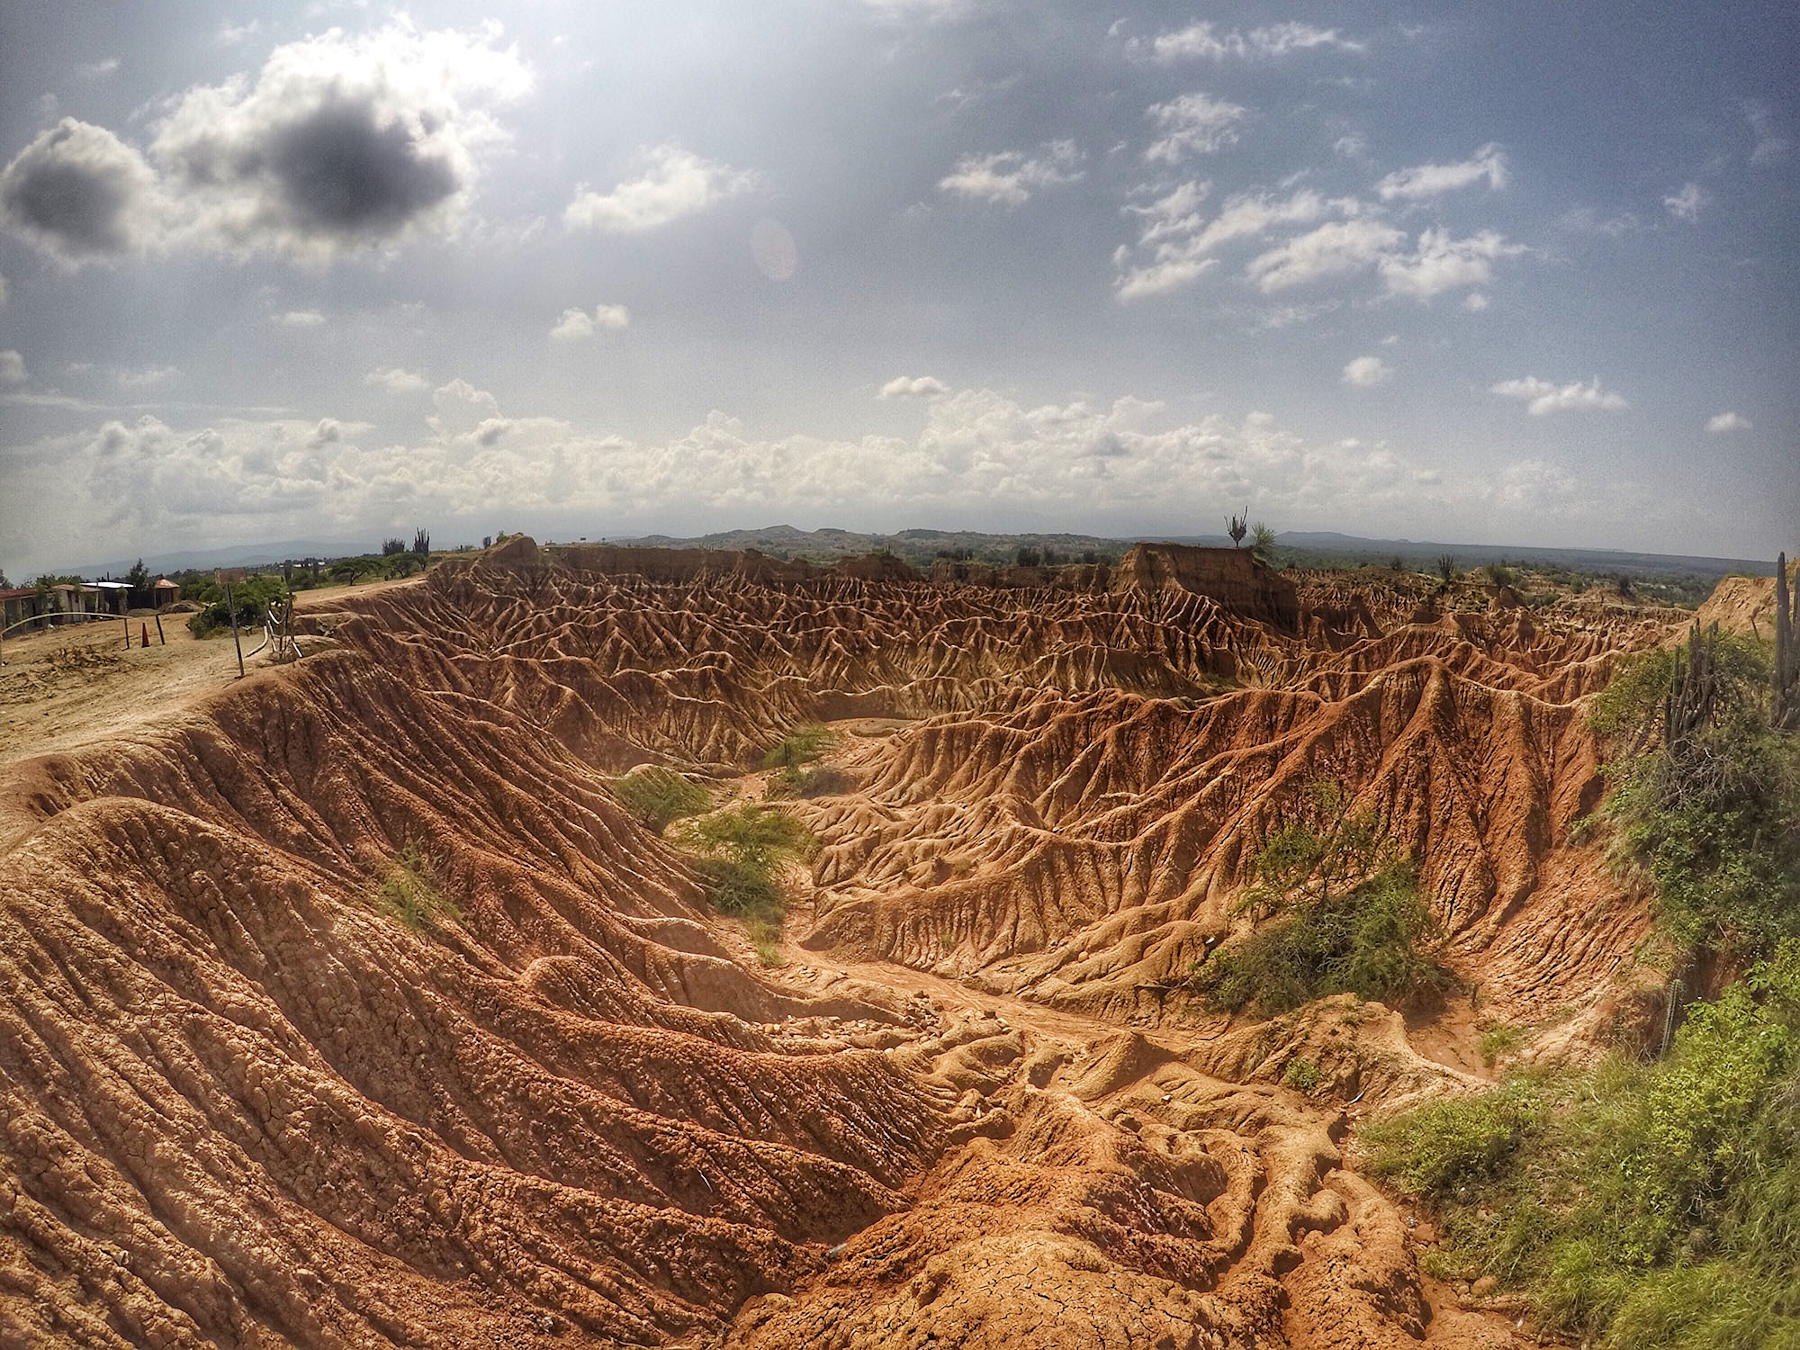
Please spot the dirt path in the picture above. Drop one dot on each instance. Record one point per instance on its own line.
(64, 688)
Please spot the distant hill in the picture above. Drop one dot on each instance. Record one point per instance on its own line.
(1304, 547)
(234, 555)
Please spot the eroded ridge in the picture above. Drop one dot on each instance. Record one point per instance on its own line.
(245, 1100)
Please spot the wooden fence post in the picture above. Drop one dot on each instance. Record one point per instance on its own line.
(231, 612)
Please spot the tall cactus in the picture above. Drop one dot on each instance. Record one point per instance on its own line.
(1785, 707)
(1693, 686)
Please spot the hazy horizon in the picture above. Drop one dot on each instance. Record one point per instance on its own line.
(1519, 278)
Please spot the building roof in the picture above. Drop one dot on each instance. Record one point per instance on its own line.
(16, 592)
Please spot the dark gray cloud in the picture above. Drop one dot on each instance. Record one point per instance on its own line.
(342, 170)
(339, 142)
(79, 192)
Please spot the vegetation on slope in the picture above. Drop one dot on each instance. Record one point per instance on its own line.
(797, 772)
(659, 797)
(1345, 916)
(1637, 1203)
(741, 853)
(1658, 1203)
(409, 891)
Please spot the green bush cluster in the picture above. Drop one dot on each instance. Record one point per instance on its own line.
(741, 852)
(1345, 916)
(256, 598)
(794, 761)
(659, 797)
(1715, 819)
(1637, 1204)
(410, 892)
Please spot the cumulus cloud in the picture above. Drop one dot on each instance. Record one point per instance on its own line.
(913, 386)
(1429, 180)
(80, 193)
(396, 380)
(1725, 422)
(98, 70)
(1126, 457)
(1009, 178)
(674, 183)
(1440, 263)
(1199, 41)
(300, 318)
(1334, 249)
(1193, 124)
(1367, 371)
(576, 324)
(1543, 397)
(1475, 302)
(340, 142)
(1176, 241)
(1685, 204)
(12, 368)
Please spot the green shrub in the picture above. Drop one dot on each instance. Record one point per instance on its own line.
(748, 832)
(800, 746)
(1715, 819)
(814, 781)
(1446, 1144)
(410, 892)
(1303, 1075)
(659, 797)
(1635, 1204)
(1498, 1041)
(1348, 918)
(255, 598)
(742, 851)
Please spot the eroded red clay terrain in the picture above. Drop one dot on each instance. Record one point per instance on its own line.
(974, 1107)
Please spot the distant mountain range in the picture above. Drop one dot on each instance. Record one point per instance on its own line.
(1307, 547)
(921, 546)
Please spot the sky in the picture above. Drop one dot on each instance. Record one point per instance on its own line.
(1512, 274)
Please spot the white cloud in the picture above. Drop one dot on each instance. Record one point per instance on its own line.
(1439, 263)
(12, 368)
(1192, 124)
(340, 142)
(396, 380)
(674, 183)
(5, 291)
(300, 318)
(1175, 243)
(80, 193)
(1009, 178)
(1336, 248)
(231, 35)
(1685, 204)
(1726, 422)
(1475, 302)
(1542, 397)
(1198, 40)
(913, 386)
(98, 70)
(1429, 180)
(147, 377)
(576, 324)
(1367, 371)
